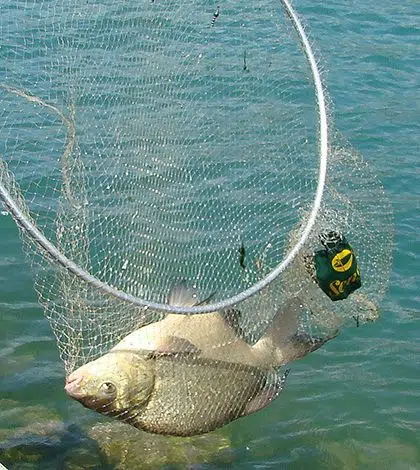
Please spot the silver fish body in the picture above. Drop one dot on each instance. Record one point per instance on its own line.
(194, 396)
(172, 394)
(188, 375)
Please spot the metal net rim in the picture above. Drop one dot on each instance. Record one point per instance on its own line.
(54, 254)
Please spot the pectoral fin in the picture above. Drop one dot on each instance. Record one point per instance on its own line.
(174, 345)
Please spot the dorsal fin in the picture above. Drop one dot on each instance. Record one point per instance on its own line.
(232, 318)
(183, 296)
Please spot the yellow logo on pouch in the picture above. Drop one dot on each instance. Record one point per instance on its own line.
(342, 261)
(337, 287)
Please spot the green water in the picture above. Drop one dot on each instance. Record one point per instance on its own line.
(354, 404)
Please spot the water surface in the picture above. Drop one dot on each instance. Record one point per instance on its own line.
(354, 404)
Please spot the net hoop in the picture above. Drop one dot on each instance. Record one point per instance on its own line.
(55, 255)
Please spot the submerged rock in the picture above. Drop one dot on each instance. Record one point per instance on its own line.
(34, 437)
(27, 434)
(353, 454)
(127, 448)
(17, 421)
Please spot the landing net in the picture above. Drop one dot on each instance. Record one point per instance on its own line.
(146, 143)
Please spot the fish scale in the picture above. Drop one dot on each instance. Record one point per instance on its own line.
(194, 395)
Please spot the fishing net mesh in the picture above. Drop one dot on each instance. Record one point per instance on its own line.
(159, 141)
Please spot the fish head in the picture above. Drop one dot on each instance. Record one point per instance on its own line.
(115, 383)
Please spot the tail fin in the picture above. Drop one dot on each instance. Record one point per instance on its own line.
(301, 344)
(285, 323)
(282, 343)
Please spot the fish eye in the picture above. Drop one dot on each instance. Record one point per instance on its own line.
(108, 388)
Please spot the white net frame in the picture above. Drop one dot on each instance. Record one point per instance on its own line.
(54, 254)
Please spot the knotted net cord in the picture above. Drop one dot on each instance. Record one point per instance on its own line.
(193, 149)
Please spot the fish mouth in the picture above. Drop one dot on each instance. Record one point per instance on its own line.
(72, 386)
(74, 389)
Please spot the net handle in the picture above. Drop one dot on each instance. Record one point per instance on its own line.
(53, 253)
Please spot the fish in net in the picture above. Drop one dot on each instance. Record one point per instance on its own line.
(148, 144)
